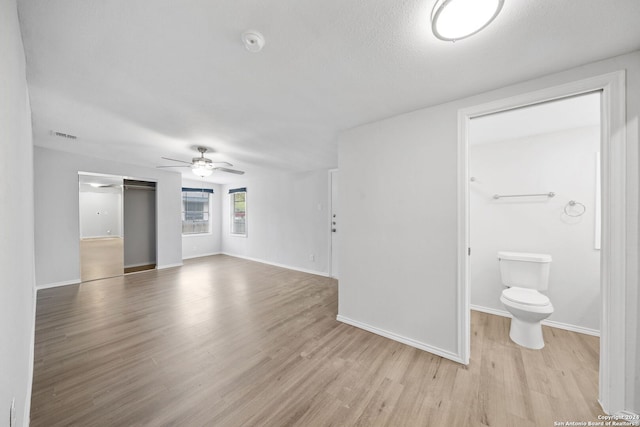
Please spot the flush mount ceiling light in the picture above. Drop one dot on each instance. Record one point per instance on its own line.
(453, 20)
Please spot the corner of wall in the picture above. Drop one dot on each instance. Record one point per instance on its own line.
(17, 294)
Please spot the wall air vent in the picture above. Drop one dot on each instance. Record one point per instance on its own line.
(63, 135)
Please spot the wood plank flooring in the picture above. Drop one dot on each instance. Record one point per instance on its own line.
(139, 268)
(223, 341)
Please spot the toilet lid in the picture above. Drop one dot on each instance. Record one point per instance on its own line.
(525, 296)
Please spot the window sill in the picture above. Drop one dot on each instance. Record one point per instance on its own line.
(197, 234)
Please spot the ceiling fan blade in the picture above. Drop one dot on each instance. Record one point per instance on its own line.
(174, 160)
(222, 163)
(173, 166)
(237, 172)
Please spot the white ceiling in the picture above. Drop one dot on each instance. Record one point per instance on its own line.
(136, 80)
(564, 114)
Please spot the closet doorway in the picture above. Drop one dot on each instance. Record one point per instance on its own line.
(139, 225)
(117, 225)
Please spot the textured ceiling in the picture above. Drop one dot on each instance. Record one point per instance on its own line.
(136, 80)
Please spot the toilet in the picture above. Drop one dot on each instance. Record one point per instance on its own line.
(525, 275)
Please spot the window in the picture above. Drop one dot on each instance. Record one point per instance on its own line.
(195, 210)
(238, 211)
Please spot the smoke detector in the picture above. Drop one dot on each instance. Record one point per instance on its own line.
(253, 41)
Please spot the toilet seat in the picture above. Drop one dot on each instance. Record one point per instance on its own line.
(526, 296)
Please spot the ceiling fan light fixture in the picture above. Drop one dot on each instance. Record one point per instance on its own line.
(202, 169)
(202, 166)
(453, 20)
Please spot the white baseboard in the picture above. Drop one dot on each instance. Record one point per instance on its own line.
(572, 328)
(404, 340)
(547, 322)
(162, 267)
(57, 284)
(489, 310)
(201, 255)
(275, 264)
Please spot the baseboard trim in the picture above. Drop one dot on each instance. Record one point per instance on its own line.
(489, 310)
(202, 255)
(275, 264)
(163, 267)
(572, 328)
(58, 284)
(402, 339)
(551, 323)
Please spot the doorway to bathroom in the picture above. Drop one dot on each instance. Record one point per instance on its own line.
(530, 189)
(534, 188)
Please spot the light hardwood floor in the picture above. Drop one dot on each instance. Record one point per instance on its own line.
(223, 341)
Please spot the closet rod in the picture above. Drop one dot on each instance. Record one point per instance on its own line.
(500, 196)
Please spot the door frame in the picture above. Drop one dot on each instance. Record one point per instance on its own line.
(613, 251)
(157, 209)
(331, 174)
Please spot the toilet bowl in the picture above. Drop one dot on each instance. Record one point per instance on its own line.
(528, 311)
(525, 275)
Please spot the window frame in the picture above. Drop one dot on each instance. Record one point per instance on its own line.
(232, 194)
(209, 193)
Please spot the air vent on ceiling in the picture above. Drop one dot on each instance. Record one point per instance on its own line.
(63, 135)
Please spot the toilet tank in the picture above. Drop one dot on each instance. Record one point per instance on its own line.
(524, 270)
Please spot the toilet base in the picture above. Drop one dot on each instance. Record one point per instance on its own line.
(526, 334)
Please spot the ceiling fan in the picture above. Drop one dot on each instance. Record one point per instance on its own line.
(202, 166)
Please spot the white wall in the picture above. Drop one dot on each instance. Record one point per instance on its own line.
(562, 162)
(287, 221)
(197, 245)
(398, 227)
(398, 187)
(139, 215)
(17, 291)
(57, 247)
(100, 212)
